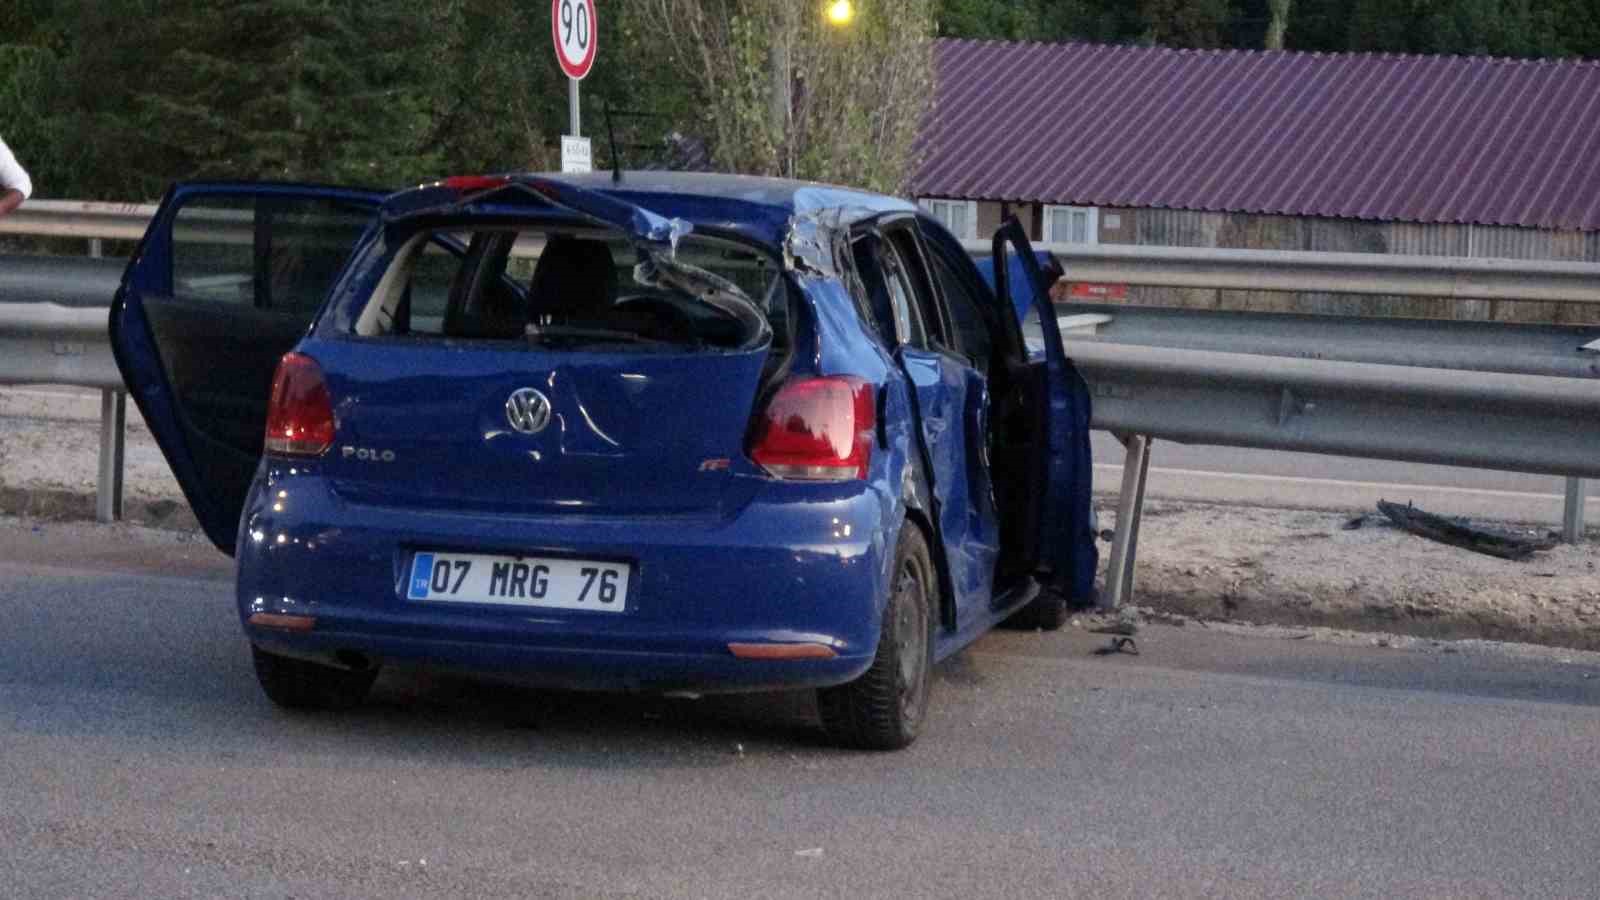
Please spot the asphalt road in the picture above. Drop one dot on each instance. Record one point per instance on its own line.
(138, 760)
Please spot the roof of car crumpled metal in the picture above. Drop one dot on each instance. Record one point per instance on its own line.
(1366, 136)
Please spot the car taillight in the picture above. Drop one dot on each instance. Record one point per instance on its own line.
(472, 184)
(817, 429)
(300, 415)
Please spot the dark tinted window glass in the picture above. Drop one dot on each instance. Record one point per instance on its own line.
(269, 253)
(307, 245)
(213, 251)
(972, 330)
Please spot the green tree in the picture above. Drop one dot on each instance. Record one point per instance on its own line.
(281, 89)
(782, 92)
(1522, 28)
(1040, 20)
(31, 77)
(1278, 27)
(500, 99)
(1186, 23)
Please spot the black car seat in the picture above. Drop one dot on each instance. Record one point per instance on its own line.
(574, 288)
(574, 284)
(482, 303)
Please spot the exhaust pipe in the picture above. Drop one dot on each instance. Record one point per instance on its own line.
(354, 660)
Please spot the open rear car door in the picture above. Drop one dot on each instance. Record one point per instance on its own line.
(227, 278)
(1058, 504)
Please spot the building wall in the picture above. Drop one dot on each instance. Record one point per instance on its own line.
(1185, 228)
(989, 217)
(992, 212)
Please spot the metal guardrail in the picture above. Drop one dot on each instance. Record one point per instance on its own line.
(79, 219)
(53, 323)
(1522, 398)
(1451, 277)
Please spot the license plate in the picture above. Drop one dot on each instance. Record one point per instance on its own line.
(518, 581)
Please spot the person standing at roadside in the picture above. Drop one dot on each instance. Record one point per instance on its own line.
(15, 185)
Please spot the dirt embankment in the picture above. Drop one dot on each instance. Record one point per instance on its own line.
(1295, 567)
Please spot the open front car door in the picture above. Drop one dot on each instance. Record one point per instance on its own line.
(226, 280)
(1060, 505)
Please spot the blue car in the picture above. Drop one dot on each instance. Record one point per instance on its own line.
(668, 433)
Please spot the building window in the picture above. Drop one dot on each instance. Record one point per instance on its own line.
(960, 216)
(1071, 225)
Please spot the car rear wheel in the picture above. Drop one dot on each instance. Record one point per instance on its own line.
(885, 707)
(298, 684)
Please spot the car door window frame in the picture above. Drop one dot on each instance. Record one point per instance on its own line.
(910, 324)
(897, 234)
(1005, 335)
(906, 239)
(884, 314)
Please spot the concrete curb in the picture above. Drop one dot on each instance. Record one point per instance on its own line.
(58, 505)
(1176, 607)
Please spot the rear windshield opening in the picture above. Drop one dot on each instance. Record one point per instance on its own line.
(576, 288)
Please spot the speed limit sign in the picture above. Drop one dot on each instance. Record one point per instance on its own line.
(572, 25)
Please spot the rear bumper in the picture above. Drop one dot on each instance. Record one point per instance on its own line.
(571, 668)
(798, 565)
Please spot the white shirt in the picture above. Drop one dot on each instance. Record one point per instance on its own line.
(13, 177)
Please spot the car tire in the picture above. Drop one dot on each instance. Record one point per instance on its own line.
(885, 707)
(298, 684)
(1046, 612)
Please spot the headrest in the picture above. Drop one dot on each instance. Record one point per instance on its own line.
(574, 277)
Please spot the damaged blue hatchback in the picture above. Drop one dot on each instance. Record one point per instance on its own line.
(691, 433)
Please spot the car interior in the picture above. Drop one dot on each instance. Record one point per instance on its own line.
(581, 292)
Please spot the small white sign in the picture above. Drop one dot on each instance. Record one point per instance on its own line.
(576, 154)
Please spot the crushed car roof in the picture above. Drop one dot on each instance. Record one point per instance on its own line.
(758, 207)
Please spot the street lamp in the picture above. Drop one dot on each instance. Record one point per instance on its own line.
(840, 12)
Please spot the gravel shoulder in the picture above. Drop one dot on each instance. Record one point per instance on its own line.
(1304, 568)
(49, 457)
(1197, 561)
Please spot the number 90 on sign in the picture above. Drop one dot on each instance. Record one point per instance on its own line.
(573, 27)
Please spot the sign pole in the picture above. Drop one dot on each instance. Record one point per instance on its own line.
(576, 37)
(572, 105)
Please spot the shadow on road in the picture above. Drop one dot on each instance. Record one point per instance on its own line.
(139, 660)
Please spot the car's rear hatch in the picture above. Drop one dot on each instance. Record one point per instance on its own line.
(627, 434)
(525, 427)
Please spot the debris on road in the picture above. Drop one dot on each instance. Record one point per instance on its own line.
(1122, 628)
(1126, 624)
(1457, 533)
(1119, 644)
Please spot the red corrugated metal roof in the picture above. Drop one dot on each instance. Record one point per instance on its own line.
(1365, 136)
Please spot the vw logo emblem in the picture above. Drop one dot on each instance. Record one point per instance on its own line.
(528, 411)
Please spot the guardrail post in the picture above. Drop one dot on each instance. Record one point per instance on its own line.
(1130, 508)
(108, 489)
(1572, 522)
